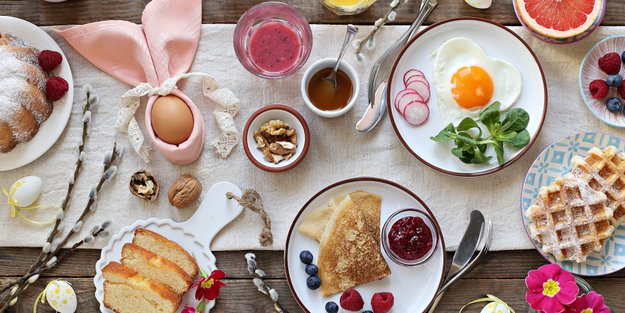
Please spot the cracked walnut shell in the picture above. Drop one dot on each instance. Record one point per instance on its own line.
(185, 190)
(144, 185)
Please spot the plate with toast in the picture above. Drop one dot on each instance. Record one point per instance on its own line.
(151, 265)
(573, 203)
(335, 246)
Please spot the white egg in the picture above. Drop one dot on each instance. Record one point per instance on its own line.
(495, 307)
(26, 191)
(463, 58)
(61, 296)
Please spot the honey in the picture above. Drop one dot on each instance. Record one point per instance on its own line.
(324, 95)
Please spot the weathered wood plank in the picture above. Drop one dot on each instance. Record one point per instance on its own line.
(229, 11)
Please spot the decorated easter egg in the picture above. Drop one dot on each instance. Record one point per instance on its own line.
(25, 191)
(495, 307)
(479, 4)
(172, 119)
(61, 296)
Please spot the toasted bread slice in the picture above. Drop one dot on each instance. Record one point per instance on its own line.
(349, 252)
(155, 267)
(166, 248)
(126, 291)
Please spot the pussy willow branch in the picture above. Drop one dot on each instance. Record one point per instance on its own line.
(378, 25)
(60, 258)
(70, 187)
(259, 282)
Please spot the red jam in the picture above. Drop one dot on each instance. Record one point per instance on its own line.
(410, 238)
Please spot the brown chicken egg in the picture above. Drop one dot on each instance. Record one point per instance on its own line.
(172, 119)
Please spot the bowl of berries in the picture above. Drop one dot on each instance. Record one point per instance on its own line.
(601, 80)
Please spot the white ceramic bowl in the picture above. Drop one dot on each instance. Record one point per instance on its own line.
(289, 116)
(329, 63)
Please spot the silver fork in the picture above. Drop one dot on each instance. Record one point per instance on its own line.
(486, 242)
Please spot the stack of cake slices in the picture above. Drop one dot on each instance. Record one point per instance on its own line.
(153, 275)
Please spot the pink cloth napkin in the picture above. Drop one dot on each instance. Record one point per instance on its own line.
(164, 47)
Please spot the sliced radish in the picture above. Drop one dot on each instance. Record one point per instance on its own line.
(421, 88)
(401, 94)
(411, 73)
(416, 113)
(417, 79)
(408, 98)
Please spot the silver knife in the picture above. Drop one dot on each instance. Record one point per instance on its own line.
(381, 69)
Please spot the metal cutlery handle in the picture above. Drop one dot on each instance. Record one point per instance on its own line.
(351, 33)
(381, 69)
(488, 236)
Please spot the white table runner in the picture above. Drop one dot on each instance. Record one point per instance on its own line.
(337, 151)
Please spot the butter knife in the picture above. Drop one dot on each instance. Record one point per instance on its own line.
(378, 77)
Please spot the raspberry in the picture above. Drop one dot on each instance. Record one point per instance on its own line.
(382, 302)
(610, 63)
(598, 89)
(351, 300)
(49, 60)
(56, 87)
(621, 89)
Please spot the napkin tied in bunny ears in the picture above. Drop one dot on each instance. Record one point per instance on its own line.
(150, 57)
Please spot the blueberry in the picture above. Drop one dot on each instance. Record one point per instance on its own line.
(306, 257)
(614, 105)
(332, 307)
(614, 80)
(311, 269)
(313, 282)
(623, 56)
(367, 311)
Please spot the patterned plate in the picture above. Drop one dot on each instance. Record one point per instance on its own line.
(589, 71)
(554, 162)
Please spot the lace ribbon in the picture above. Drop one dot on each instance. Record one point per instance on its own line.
(228, 106)
(16, 210)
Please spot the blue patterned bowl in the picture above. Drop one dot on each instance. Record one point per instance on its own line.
(553, 163)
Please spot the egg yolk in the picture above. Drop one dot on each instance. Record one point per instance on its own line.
(472, 87)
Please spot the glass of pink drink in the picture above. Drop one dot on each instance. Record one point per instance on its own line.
(272, 40)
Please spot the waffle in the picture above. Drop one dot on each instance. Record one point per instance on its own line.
(570, 219)
(604, 171)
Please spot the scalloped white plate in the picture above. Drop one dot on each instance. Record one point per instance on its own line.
(52, 128)
(194, 235)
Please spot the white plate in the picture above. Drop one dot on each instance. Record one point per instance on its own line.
(498, 42)
(194, 235)
(413, 288)
(52, 128)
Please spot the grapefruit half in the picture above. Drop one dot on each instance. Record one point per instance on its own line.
(559, 19)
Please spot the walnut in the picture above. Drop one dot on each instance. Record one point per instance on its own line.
(277, 140)
(282, 147)
(144, 185)
(185, 190)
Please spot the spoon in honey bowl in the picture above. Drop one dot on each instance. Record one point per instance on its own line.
(349, 36)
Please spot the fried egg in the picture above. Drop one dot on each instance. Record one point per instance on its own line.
(466, 80)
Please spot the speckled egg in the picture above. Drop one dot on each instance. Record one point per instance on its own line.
(61, 296)
(495, 307)
(26, 190)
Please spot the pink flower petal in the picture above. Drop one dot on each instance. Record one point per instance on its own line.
(551, 305)
(535, 279)
(565, 276)
(568, 292)
(534, 299)
(551, 271)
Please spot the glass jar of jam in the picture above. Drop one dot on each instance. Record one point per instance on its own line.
(409, 237)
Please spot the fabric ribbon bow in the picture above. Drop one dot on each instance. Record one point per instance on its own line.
(16, 210)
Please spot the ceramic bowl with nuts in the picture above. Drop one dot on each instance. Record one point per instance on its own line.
(276, 138)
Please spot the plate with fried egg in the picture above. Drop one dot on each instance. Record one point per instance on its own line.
(462, 66)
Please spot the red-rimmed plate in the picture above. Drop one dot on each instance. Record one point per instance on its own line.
(498, 42)
(413, 288)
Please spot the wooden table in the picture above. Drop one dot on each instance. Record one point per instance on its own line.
(502, 274)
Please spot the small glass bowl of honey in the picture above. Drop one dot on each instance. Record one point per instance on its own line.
(321, 96)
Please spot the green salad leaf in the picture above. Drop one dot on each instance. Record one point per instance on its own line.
(470, 146)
